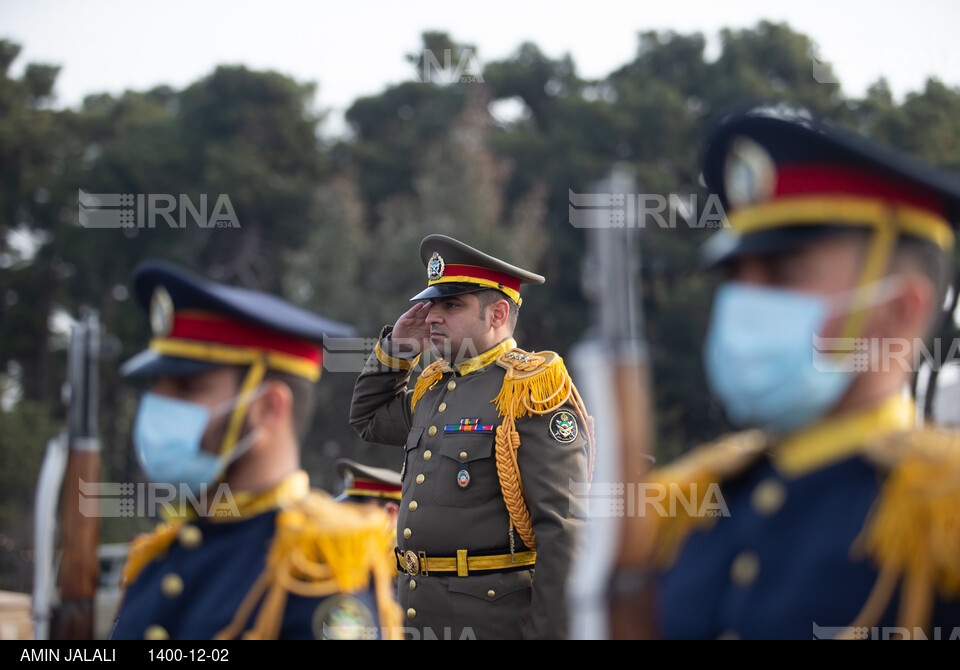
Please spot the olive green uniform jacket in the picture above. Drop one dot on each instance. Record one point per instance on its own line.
(452, 500)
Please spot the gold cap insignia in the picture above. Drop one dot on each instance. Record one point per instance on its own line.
(161, 312)
(435, 267)
(749, 173)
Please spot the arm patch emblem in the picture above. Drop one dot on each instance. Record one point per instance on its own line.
(563, 427)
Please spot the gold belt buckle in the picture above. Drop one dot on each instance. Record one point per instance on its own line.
(415, 562)
(411, 562)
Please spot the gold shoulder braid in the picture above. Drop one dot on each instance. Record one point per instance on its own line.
(321, 548)
(913, 530)
(534, 384)
(427, 380)
(664, 535)
(145, 548)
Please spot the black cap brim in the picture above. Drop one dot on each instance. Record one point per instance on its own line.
(149, 363)
(726, 246)
(447, 290)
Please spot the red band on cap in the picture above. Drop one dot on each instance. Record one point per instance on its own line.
(809, 179)
(214, 328)
(508, 281)
(369, 485)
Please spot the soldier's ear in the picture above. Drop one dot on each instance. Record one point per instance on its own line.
(499, 313)
(273, 407)
(914, 308)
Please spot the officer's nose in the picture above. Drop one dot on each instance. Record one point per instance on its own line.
(434, 317)
(751, 270)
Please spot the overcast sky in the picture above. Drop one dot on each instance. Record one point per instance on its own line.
(357, 48)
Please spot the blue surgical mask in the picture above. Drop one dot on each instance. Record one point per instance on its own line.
(760, 358)
(167, 436)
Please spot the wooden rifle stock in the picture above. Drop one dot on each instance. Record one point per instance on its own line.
(614, 369)
(73, 618)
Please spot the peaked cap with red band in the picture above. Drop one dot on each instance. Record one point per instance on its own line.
(785, 178)
(365, 482)
(454, 268)
(199, 325)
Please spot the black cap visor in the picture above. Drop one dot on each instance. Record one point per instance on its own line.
(726, 246)
(149, 363)
(448, 290)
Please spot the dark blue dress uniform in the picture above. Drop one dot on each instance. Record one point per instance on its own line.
(287, 562)
(848, 526)
(205, 570)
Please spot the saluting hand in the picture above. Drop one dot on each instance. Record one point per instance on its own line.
(411, 331)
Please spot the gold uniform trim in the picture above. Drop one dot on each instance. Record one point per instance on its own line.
(489, 283)
(833, 440)
(487, 357)
(463, 564)
(225, 354)
(393, 362)
(866, 212)
(368, 493)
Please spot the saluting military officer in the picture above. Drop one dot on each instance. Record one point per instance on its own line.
(834, 516)
(494, 439)
(247, 549)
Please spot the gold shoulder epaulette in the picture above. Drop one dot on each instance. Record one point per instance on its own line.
(913, 531)
(535, 383)
(145, 548)
(427, 380)
(695, 476)
(321, 548)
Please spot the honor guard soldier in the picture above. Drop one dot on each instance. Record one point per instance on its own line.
(831, 515)
(248, 550)
(365, 483)
(494, 440)
(370, 485)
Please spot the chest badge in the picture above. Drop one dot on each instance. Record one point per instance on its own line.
(468, 426)
(463, 477)
(563, 427)
(343, 617)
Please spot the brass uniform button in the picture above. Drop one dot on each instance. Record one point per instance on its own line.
(420, 479)
(411, 613)
(407, 533)
(452, 385)
(491, 593)
(427, 454)
(413, 505)
(767, 498)
(442, 407)
(745, 568)
(171, 585)
(156, 632)
(463, 455)
(190, 536)
(413, 584)
(432, 431)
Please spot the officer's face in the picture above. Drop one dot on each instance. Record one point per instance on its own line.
(826, 267)
(210, 389)
(458, 330)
